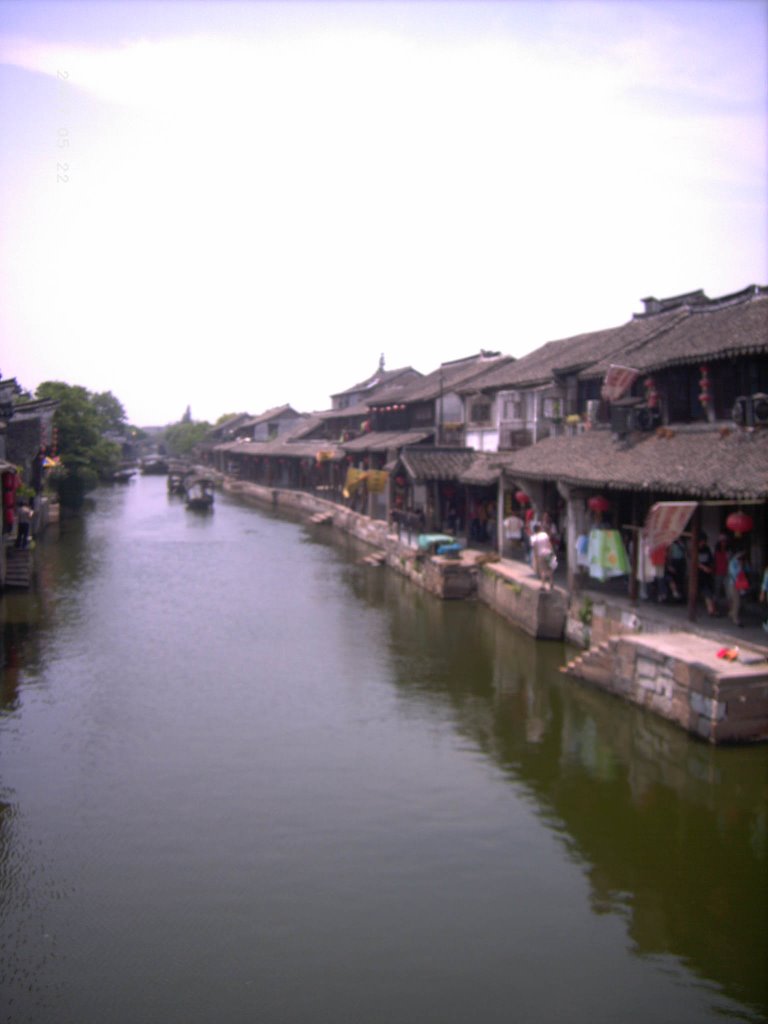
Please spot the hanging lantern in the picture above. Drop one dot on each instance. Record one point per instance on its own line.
(651, 394)
(598, 504)
(704, 395)
(739, 522)
(522, 498)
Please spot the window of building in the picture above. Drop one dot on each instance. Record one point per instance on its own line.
(514, 408)
(734, 378)
(424, 415)
(480, 411)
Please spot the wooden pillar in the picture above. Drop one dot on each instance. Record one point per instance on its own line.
(635, 531)
(500, 515)
(693, 568)
(466, 515)
(571, 534)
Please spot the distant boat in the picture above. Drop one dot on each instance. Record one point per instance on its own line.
(198, 492)
(124, 475)
(176, 473)
(154, 465)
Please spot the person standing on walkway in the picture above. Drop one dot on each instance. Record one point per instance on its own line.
(764, 594)
(706, 571)
(722, 557)
(736, 582)
(24, 520)
(543, 555)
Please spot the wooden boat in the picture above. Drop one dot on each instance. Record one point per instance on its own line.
(154, 465)
(176, 473)
(198, 492)
(124, 475)
(430, 542)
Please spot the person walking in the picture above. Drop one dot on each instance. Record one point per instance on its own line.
(544, 563)
(24, 520)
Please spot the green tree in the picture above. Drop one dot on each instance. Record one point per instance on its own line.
(81, 420)
(110, 410)
(181, 438)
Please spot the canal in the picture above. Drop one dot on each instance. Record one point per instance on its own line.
(245, 778)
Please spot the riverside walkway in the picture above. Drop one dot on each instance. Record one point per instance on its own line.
(651, 655)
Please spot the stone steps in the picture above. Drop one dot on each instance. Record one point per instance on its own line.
(595, 665)
(377, 558)
(18, 568)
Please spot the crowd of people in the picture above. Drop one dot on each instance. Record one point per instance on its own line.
(724, 577)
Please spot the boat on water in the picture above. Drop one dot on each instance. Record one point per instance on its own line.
(198, 492)
(176, 473)
(124, 475)
(154, 465)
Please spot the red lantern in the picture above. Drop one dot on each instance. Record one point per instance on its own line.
(704, 396)
(522, 498)
(599, 504)
(739, 522)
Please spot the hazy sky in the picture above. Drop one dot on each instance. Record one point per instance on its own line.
(237, 205)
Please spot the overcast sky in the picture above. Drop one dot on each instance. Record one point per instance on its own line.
(236, 205)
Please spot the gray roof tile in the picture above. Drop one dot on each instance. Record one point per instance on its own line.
(701, 462)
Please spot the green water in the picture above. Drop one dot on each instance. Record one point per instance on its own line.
(244, 777)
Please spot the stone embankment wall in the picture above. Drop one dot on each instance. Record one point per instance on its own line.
(590, 622)
(680, 677)
(448, 579)
(675, 675)
(519, 598)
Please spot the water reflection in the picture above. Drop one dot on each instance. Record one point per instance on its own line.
(195, 740)
(671, 832)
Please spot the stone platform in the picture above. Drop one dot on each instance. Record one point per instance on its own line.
(682, 677)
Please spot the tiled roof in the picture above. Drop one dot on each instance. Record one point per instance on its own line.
(446, 377)
(581, 350)
(229, 424)
(281, 448)
(482, 471)
(436, 463)
(698, 462)
(359, 409)
(379, 379)
(300, 427)
(383, 440)
(719, 330)
(270, 414)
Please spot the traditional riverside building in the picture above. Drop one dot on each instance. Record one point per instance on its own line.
(677, 413)
(418, 436)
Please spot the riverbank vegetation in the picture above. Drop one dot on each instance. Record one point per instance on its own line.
(181, 438)
(84, 423)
